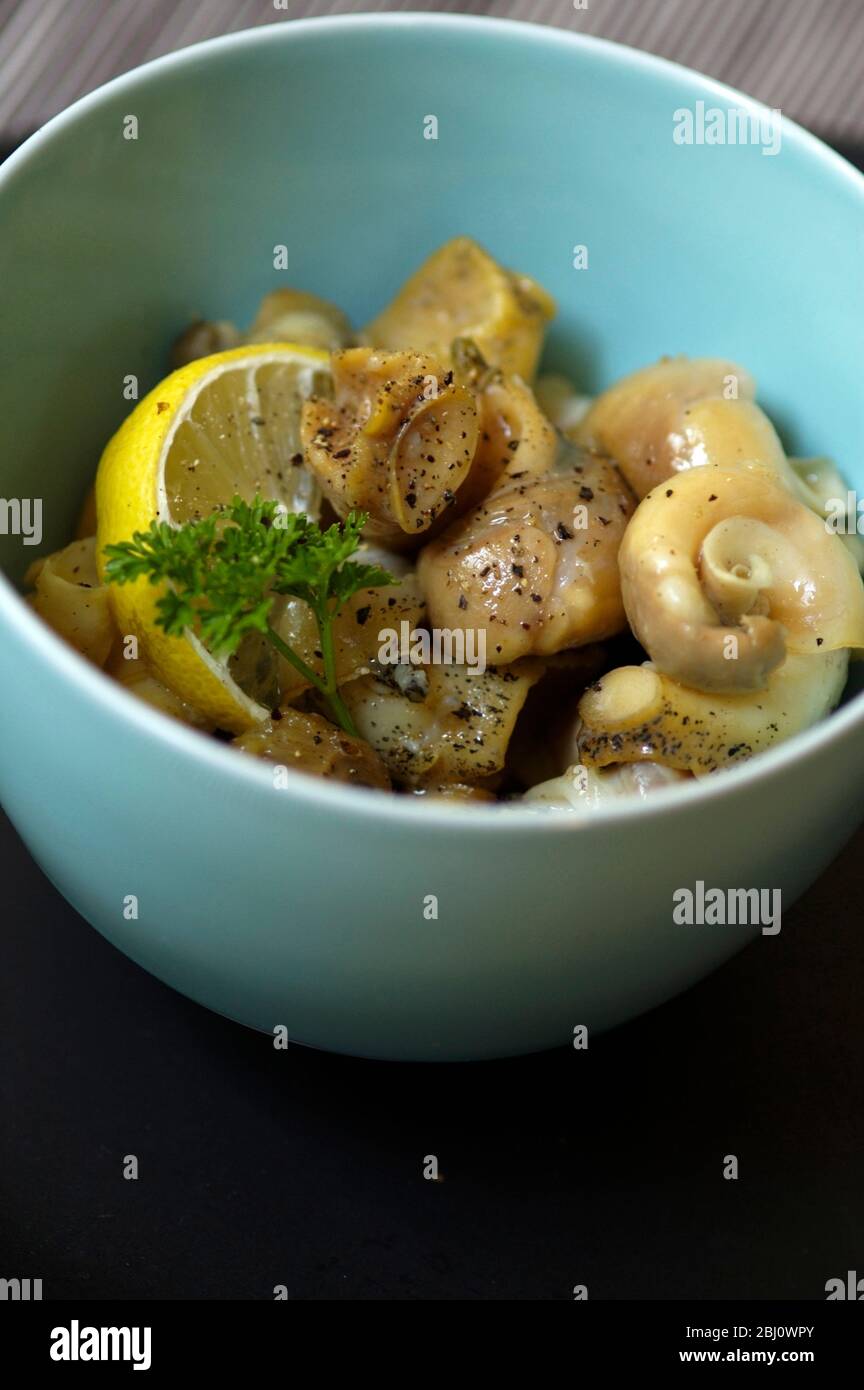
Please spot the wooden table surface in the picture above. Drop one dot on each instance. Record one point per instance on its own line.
(804, 56)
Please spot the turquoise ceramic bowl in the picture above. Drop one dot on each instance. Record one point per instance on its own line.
(305, 907)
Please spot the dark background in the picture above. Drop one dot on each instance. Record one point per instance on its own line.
(603, 1168)
(260, 1167)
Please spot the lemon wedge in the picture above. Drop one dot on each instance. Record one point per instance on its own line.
(222, 425)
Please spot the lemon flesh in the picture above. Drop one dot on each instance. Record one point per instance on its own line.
(221, 426)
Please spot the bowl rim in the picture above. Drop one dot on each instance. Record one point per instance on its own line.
(107, 695)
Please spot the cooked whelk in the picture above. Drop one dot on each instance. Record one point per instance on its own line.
(308, 743)
(677, 414)
(822, 487)
(136, 677)
(535, 566)
(588, 789)
(460, 291)
(295, 316)
(201, 339)
(453, 727)
(635, 714)
(396, 440)
(561, 403)
(69, 596)
(516, 440)
(357, 628)
(284, 316)
(723, 572)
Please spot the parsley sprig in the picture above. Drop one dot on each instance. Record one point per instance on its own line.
(223, 574)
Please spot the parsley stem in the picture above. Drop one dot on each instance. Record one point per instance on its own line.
(337, 704)
(340, 709)
(328, 687)
(296, 661)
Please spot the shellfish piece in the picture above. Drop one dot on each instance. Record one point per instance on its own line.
(822, 487)
(648, 421)
(284, 316)
(138, 679)
(516, 441)
(396, 440)
(634, 714)
(68, 595)
(308, 743)
(296, 316)
(437, 724)
(357, 629)
(561, 403)
(454, 793)
(535, 566)
(588, 789)
(201, 339)
(723, 572)
(461, 291)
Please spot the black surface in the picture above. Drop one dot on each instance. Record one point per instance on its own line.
(260, 1168)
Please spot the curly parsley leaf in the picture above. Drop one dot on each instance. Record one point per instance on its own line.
(222, 575)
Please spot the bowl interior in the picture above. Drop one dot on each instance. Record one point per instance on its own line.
(312, 137)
